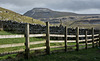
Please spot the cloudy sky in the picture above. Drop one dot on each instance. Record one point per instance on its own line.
(77, 6)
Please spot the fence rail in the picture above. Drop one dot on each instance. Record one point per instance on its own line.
(92, 39)
(42, 35)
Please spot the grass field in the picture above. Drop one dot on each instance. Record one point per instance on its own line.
(82, 55)
(92, 54)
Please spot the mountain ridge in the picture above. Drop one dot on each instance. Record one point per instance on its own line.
(46, 13)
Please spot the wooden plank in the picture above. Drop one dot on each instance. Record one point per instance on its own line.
(96, 35)
(81, 44)
(86, 40)
(56, 46)
(93, 37)
(38, 48)
(91, 43)
(61, 41)
(71, 45)
(56, 41)
(11, 45)
(99, 38)
(84, 35)
(71, 41)
(65, 39)
(27, 46)
(40, 35)
(55, 35)
(37, 42)
(47, 38)
(88, 35)
(11, 36)
(37, 35)
(20, 44)
(71, 35)
(77, 38)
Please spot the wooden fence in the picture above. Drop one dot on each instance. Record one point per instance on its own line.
(94, 40)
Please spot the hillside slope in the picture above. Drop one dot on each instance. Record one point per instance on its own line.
(6, 14)
(46, 13)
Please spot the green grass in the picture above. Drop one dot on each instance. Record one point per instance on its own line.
(92, 54)
(5, 33)
(17, 40)
(7, 56)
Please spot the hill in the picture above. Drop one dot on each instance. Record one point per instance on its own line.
(46, 13)
(6, 14)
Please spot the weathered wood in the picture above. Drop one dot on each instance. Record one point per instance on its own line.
(20, 44)
(56, 46)
(93, 37)
(41, 35)
(61, 41)
(38, 48)
(71, 45)
(37, 35)
(57, 35)
(65, 39)
(77, 38)
(20, 36)
(11, 45)
(91, 43)
(11, 36)
(86, 40)
(47, 38)
(56, 41)
(99, 38)
(81, 44)
(37, 42)
(27, 46)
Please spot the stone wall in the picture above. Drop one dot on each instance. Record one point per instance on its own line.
(1, 26)
(18, 27)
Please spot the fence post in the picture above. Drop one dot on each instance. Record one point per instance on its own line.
(65, 39)
(93, 37)
(27, 46)
(47, 38)
(99, 38)
(86, 40)
(77, 38)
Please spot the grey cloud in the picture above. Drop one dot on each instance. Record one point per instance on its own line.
(22, 6)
